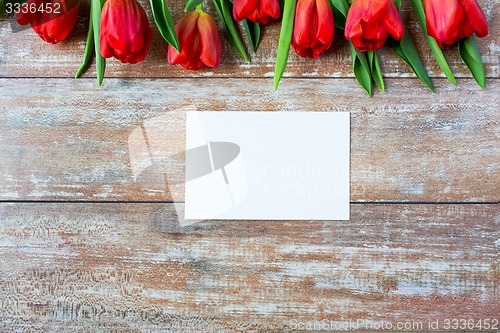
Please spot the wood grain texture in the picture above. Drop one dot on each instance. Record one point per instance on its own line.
(23, 54)
(68, 140)
(114, 264)
(128, 268)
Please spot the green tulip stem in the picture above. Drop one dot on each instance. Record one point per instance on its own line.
(285, 40)
(199, 7)
(100, 62)
(89, 49)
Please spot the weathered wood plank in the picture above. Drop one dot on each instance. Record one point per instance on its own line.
(127, 268)
(62, 139)
(24, 55)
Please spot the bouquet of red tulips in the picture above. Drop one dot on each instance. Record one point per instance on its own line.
(120, 29)
(368, 24)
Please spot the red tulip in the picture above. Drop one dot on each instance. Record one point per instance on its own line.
(125, 31)
(369, 23)
(448, 21)
(259, 11)
(199, 41)
(313, 28)
(52, 20)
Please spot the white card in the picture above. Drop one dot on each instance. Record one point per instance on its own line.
(267, 165)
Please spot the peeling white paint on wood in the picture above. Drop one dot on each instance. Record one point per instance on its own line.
(129, 267)
(407, 144)
(109, 267)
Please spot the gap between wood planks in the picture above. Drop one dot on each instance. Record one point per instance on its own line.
(228, 78)
(171, 202)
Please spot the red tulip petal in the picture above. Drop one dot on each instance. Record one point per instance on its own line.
(373, 9)
(194, 54)
(353, 20)
(370, 30)
(25, 18)
(361, 44)
(392, 21)
(209, 40)
(326, 25)
(186, 29)
(303, 22)
(136, 40)
(254, 16)
(144, 36)
(363, 10)
(353, 30)
(475, 17)
(244, 8)
(379, 41)
(444, 20)
(53, 27)
(313, 29)
(269, 9)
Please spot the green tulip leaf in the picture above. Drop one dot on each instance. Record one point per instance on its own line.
(226, 15)
(192, 4)
(472, 47)
(375, 69)
(436, 50)
(284, 40)
(361, 69)
(398, 4)
(95, 10)
(171, 33)
(89, 50)
(441, 60)
(406, 50)
(2, 8)
(164, 22)
(338, 17)
(339, 10)
(396, 47)
(218, 7)
(252, 30)
(470, 53)
(342, 6)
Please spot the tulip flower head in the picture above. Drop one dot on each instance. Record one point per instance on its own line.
(199, 42)
(125, 31)
(313, 28)
(259, 11)
(52, 20)
(448, 21)
(370, 22)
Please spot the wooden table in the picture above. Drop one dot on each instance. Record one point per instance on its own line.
(85, 249)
